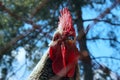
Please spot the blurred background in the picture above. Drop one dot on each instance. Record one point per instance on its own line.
(27, 27)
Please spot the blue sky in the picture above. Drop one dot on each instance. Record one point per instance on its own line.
(100, 48)
(97, 48)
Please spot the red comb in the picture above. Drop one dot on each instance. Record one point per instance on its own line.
(65, 22)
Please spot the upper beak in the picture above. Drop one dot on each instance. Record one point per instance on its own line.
(71, 40)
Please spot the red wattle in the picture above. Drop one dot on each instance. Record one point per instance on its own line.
(63, 51)
(64, 59)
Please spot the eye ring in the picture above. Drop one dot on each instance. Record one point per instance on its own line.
(56, 37)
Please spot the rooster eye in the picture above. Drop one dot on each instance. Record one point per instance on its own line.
(55, 38)
(70, 37)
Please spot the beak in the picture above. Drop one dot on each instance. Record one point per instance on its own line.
(71, 40)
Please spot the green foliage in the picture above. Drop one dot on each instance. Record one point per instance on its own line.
(36, 42)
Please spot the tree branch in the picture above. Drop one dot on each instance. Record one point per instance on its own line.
(38, 8)
(102, 15)
(95, 38)
(107, 21)
(106, 57)
(104, 68)
(98, 18)
(2, 7)
(8, 45)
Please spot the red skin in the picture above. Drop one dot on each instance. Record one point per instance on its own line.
(64, 55)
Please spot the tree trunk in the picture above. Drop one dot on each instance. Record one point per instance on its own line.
(88, 73)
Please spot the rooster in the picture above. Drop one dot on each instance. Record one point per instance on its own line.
(60, 61)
